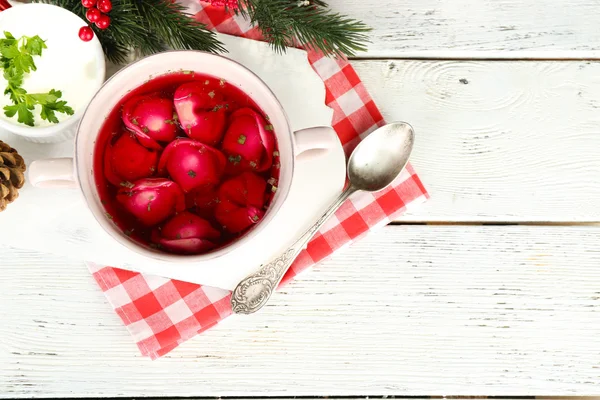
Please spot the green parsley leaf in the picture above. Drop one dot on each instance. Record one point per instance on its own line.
(24, 62)
(24, 114)
(9, 49)
(43, 98)
(16, 60)
(34, 45)
(49, 110)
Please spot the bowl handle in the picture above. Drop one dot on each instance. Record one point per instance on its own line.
(53, 173)
(314, 142)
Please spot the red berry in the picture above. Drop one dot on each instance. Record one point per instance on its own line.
(93, 14)
(86, 33)
(105, 6)
(88, 3)
(103, 22)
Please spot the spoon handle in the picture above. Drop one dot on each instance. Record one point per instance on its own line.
(253, 292)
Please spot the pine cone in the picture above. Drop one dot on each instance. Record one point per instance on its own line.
(12, 174)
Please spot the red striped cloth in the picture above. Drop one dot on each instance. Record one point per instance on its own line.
(162, 313)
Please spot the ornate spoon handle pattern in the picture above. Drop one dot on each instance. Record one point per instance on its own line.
(253, 292)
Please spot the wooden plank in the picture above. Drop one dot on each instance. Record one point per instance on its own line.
(406, 311)
(497, 141)
(478, 28)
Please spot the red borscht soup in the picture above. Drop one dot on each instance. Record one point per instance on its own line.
(186, 163)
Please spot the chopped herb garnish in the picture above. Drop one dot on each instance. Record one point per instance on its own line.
(134, 121)
(269, 127)
(108, 216)
(235, 159)
(252, 164)
(127, 184)
(211, 94)
(273, 189)
(222, 82)
(187, 72)
(150, 203)
(191, 173)
(272, 181)
(255, 218)
(145, 129)
(128, 232)
(206, 82)
(178, 236)
(169, 121)
(275, 153)
(241, 139)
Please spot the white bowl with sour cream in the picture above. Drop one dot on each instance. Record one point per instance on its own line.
(68, 64)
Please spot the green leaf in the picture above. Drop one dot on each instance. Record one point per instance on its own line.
(8, 35)
(34, 45)
(9, 50)
(24, 114)
(24, 62)
(48, 115)
(14, 77)
(49, 110)
(44, 98)
(16, 95)
(10, 111)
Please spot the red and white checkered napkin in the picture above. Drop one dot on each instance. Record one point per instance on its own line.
(161, 313)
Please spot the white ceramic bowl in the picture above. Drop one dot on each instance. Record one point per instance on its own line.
(60, 28)
(248, 249)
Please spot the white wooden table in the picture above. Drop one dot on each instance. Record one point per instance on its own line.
(504, 96)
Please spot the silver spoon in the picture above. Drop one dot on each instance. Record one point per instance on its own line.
(372, 166)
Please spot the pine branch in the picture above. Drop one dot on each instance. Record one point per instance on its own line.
(128, 32)
(146, 27)
(151, 26)
(309, 23)
(164, 18)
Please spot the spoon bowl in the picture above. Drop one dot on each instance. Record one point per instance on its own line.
(380, 157)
